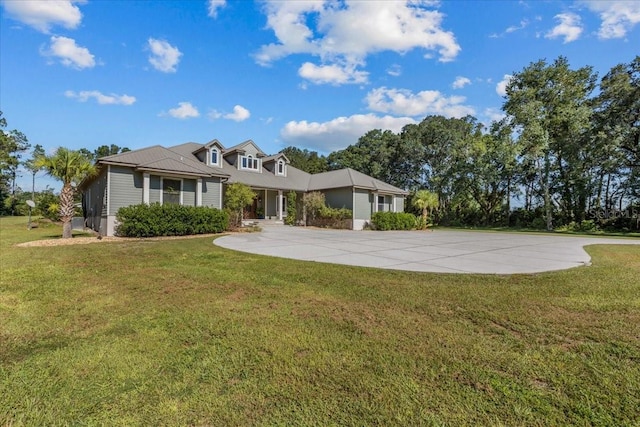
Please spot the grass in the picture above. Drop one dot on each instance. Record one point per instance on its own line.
(183, 332)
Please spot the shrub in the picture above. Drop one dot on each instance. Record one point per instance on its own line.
(585, 226)
(237, 196)
(393, 221)
(313, 202)
(291, 208)
(169, 220)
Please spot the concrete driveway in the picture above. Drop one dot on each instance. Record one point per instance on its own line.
(432, 251)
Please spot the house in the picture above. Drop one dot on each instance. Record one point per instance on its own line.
(196, 174)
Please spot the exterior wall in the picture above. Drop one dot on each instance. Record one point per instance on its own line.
(251, 150)
(399, 204)
(272, 204)
(339, 198)
(211, 192)
(125, 186)
(362, 205)
(189, 192)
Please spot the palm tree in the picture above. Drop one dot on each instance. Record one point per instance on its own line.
(425, 200)
(70, 167)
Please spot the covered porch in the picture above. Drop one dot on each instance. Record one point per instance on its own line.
(269, 204)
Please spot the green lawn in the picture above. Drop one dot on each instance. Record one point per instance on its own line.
(182, 332)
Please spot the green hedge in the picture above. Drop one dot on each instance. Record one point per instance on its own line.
(169, 220)
(393, 221)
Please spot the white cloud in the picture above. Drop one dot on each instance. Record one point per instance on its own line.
(164, 57)
(215, 6)
(184, 111)
(102, 99)
(347, 32)
(43, 14)
(338, 133)
(569, 27)
(523, 24)
(332, 74)
(494, 114)
(402, 101)
(395, 70)
(618, 17)
(460, 82)
(501, 87)
(239, 114)
(69, 53)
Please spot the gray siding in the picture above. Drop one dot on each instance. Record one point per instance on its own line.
(126, 188)
(399, 204)
(339, 198)
(189, 192)
(362, 208)
(154, 189)
(211, 189)
(272, 200)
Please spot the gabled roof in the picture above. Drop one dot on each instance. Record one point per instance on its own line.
(275, 157)
(181, 160)
(296, 179)
(160, 159)
(350, 178)
(187, 149)
(241, 148)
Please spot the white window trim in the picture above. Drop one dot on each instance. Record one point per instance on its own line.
(162, 188)
(211, 151)
(253, 159)
(284, 168)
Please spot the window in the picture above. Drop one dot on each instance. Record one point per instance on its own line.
(171, 189)
(381, 204)
(280, 167)
(248, 162)
(215, 157)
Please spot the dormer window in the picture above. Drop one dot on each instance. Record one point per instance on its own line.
(280, 168)
(215, 157)
(249, 162)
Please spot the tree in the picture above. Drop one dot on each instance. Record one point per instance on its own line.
(12, 145)
(30, 164)
(70, 167)
(550, 107)
(425, 201)
(106, 150)
(617, 134)
(237, 196)
(292, 211)
(308, 161)
(371, 155)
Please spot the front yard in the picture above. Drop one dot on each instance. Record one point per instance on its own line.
(182, 332)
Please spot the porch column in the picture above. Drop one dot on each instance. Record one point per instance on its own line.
(145, 188)
(279, 205)
(199, 192)
(375, 202)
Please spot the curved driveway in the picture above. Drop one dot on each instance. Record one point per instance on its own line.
(442, 251)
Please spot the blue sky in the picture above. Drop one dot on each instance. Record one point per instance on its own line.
(314, 74)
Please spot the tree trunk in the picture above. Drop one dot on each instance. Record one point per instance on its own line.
(67, 209)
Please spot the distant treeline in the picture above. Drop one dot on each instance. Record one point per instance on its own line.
(567, 151)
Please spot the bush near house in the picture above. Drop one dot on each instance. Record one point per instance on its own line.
(333, 218)
(384, 221)
(169, 220)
